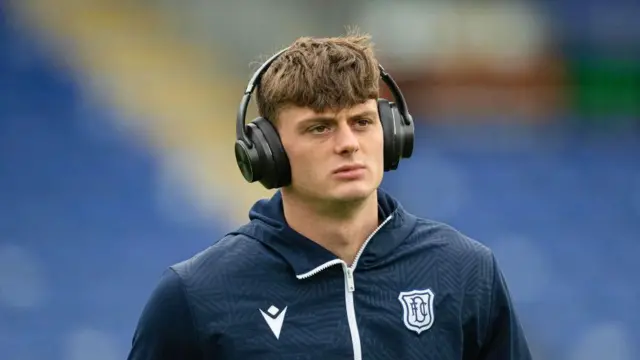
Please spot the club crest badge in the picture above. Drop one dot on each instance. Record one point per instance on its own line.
(417, 306)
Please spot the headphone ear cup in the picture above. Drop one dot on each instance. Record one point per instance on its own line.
(391, 126)
(276, 170)
(248, 161)
(255, 160)
(407, 138)
(251, 157)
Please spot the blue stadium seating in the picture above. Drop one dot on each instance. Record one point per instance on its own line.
(83, 237)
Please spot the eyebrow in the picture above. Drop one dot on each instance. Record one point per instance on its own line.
(325, 118)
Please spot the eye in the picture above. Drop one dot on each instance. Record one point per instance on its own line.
(318, 129)
(364, 122)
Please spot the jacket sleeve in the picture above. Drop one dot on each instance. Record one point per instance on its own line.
(505, 338)
(165, 329)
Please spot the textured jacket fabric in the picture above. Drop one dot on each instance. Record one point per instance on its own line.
(418, 289)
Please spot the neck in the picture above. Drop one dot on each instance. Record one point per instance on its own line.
(341, 228)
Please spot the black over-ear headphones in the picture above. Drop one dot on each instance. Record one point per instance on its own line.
(261, 156)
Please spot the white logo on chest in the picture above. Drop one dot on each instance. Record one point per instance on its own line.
(417, 306)
(274, 318)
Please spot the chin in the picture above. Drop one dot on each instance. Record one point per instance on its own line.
(352, 192)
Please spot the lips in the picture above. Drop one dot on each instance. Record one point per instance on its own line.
(348, 168)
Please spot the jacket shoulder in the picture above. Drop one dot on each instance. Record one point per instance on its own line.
(457, 251)
(232, 251)
(450, 237)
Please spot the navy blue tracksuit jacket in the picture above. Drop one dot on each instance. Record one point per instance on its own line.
(417, 290)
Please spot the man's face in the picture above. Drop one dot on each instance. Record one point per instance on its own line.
(334, 155)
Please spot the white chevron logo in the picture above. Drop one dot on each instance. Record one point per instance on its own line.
(273, 319)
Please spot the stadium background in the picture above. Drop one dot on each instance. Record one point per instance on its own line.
(116, 132)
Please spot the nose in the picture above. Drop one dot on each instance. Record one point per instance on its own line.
(346, 141)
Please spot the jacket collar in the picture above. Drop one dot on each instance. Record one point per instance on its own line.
(307, 257)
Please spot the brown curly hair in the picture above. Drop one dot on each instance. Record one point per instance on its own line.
(322, 74)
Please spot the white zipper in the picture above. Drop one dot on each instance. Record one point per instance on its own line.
(316, 270)
(349, 288)
(364, 245)
(351, 312)
(348, 272)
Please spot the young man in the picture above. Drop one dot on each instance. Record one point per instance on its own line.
(331, 267)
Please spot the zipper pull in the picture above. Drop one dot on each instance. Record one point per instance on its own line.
(351, 286)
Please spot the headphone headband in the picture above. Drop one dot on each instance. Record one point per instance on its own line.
(257, 76)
